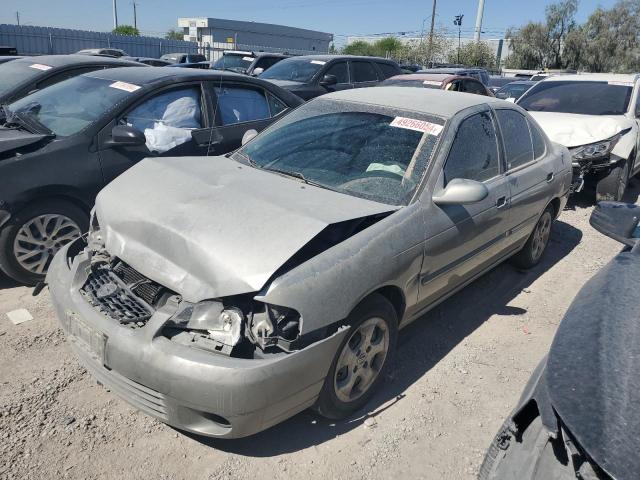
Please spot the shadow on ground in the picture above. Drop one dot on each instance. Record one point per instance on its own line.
(443, 328)
(586, 198)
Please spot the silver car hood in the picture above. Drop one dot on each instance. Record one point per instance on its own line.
(209, 227)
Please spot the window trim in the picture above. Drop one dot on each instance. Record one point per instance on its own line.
(499, 149)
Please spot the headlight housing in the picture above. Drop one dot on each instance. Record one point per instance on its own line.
(596, 150)
(223, 324)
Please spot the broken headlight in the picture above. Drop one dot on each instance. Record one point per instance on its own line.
(595, 150)
(274, 325)
(222, 324)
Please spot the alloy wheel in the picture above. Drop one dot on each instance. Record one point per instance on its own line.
(541, 236)
(39, 239)
(361, 360)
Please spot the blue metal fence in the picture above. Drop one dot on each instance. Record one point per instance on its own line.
(50, 41)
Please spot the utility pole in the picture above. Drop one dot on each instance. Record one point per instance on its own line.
(135, 16)
(433, 21)
(18, 18)
(458, 21)
(476, 36)
(115, 14)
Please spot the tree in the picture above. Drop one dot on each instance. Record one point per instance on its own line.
(126, 30)
(388, 47)
(332, 49)
(476, 54)
(359, 47)
(174, 34)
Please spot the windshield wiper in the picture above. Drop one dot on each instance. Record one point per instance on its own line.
(298, 175)
(31, 123)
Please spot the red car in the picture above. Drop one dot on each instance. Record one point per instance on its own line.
(442, 81)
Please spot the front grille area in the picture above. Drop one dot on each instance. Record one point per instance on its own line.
(138, 283)
(107, 292)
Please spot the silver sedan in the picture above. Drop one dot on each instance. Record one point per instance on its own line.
(223, 295)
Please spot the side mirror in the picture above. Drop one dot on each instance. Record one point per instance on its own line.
(248, 136)
(460, 191)
(329, 80)
(617, 220)
(257, 71)
(126, 136)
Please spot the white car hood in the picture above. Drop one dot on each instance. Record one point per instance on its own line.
(573, 130)
(209, 227)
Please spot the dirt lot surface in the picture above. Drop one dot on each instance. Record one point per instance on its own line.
(459, 371)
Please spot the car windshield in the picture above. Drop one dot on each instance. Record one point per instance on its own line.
(512, 91)
(13, 74)
(367, 151)
(238, 63)
(581, 97)
(70, 106)
(411, 83)
(295, 69)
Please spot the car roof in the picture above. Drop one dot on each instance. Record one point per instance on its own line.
(74, 59)
(521, 82)
(424, 100)
(240, 53)
(328, 57)
(450, 70)
(442, 77)
(147, 75)
(602, 77)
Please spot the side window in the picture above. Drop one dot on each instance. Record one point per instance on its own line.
(539, 145)
(475, 87)
(167, 118)
(454, 86)
(340, 70)
(388, 70)
(363, 72)
(238, 104)
(518, 147)
(276, 106)
(266, 62)
(474, 153)
(638, 106)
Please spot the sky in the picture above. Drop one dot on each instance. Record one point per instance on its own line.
(340, 17)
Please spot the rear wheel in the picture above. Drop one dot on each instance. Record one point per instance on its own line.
(613, 186)
(532, 251)
(362, 359)
(34, 235)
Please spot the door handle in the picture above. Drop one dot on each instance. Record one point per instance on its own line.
(501, 202)
(550, 177)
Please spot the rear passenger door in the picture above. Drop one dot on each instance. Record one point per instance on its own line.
(529, 170)
(363, 74)
(470, 85)
(237, 108)
(464, 240)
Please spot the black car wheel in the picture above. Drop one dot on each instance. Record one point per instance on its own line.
(613, 186)
(537, 243)
(362, 359)
(34, 235)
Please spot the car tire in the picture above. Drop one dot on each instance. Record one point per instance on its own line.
(363, 356)
(31, 238)
(613, 186)
(537, 242)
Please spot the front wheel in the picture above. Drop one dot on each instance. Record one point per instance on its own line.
(34, 235)
(532, 251)
(362, 359)
(613, 186)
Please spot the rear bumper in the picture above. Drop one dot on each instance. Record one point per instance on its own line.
(188, 388)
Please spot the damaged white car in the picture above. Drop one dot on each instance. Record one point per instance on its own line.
(224, 295)
(597, 117)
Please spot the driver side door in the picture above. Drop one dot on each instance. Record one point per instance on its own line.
(167, 118)
(464, 240)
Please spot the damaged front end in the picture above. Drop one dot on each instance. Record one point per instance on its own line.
(235, 325)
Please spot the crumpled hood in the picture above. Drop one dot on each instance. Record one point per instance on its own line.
(11, 139)
(209, 227)
(572, 130)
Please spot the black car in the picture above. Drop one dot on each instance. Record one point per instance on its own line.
(106, 52)
(249, 63)
(9, 58)
(496, 82)
(477, 73)
(26, 75)
(310, 76)
(152, 62)
(183, 57)
(61, 145)
(578, 415)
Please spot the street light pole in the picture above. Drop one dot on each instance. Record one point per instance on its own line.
(18, 18)
(433, 21)
(135, 16)
(476, 36)
(458, 21)
(115, 15)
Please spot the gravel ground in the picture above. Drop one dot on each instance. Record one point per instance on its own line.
(458, 373)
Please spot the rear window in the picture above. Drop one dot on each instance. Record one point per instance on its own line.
(388, 70)
(580, 97)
